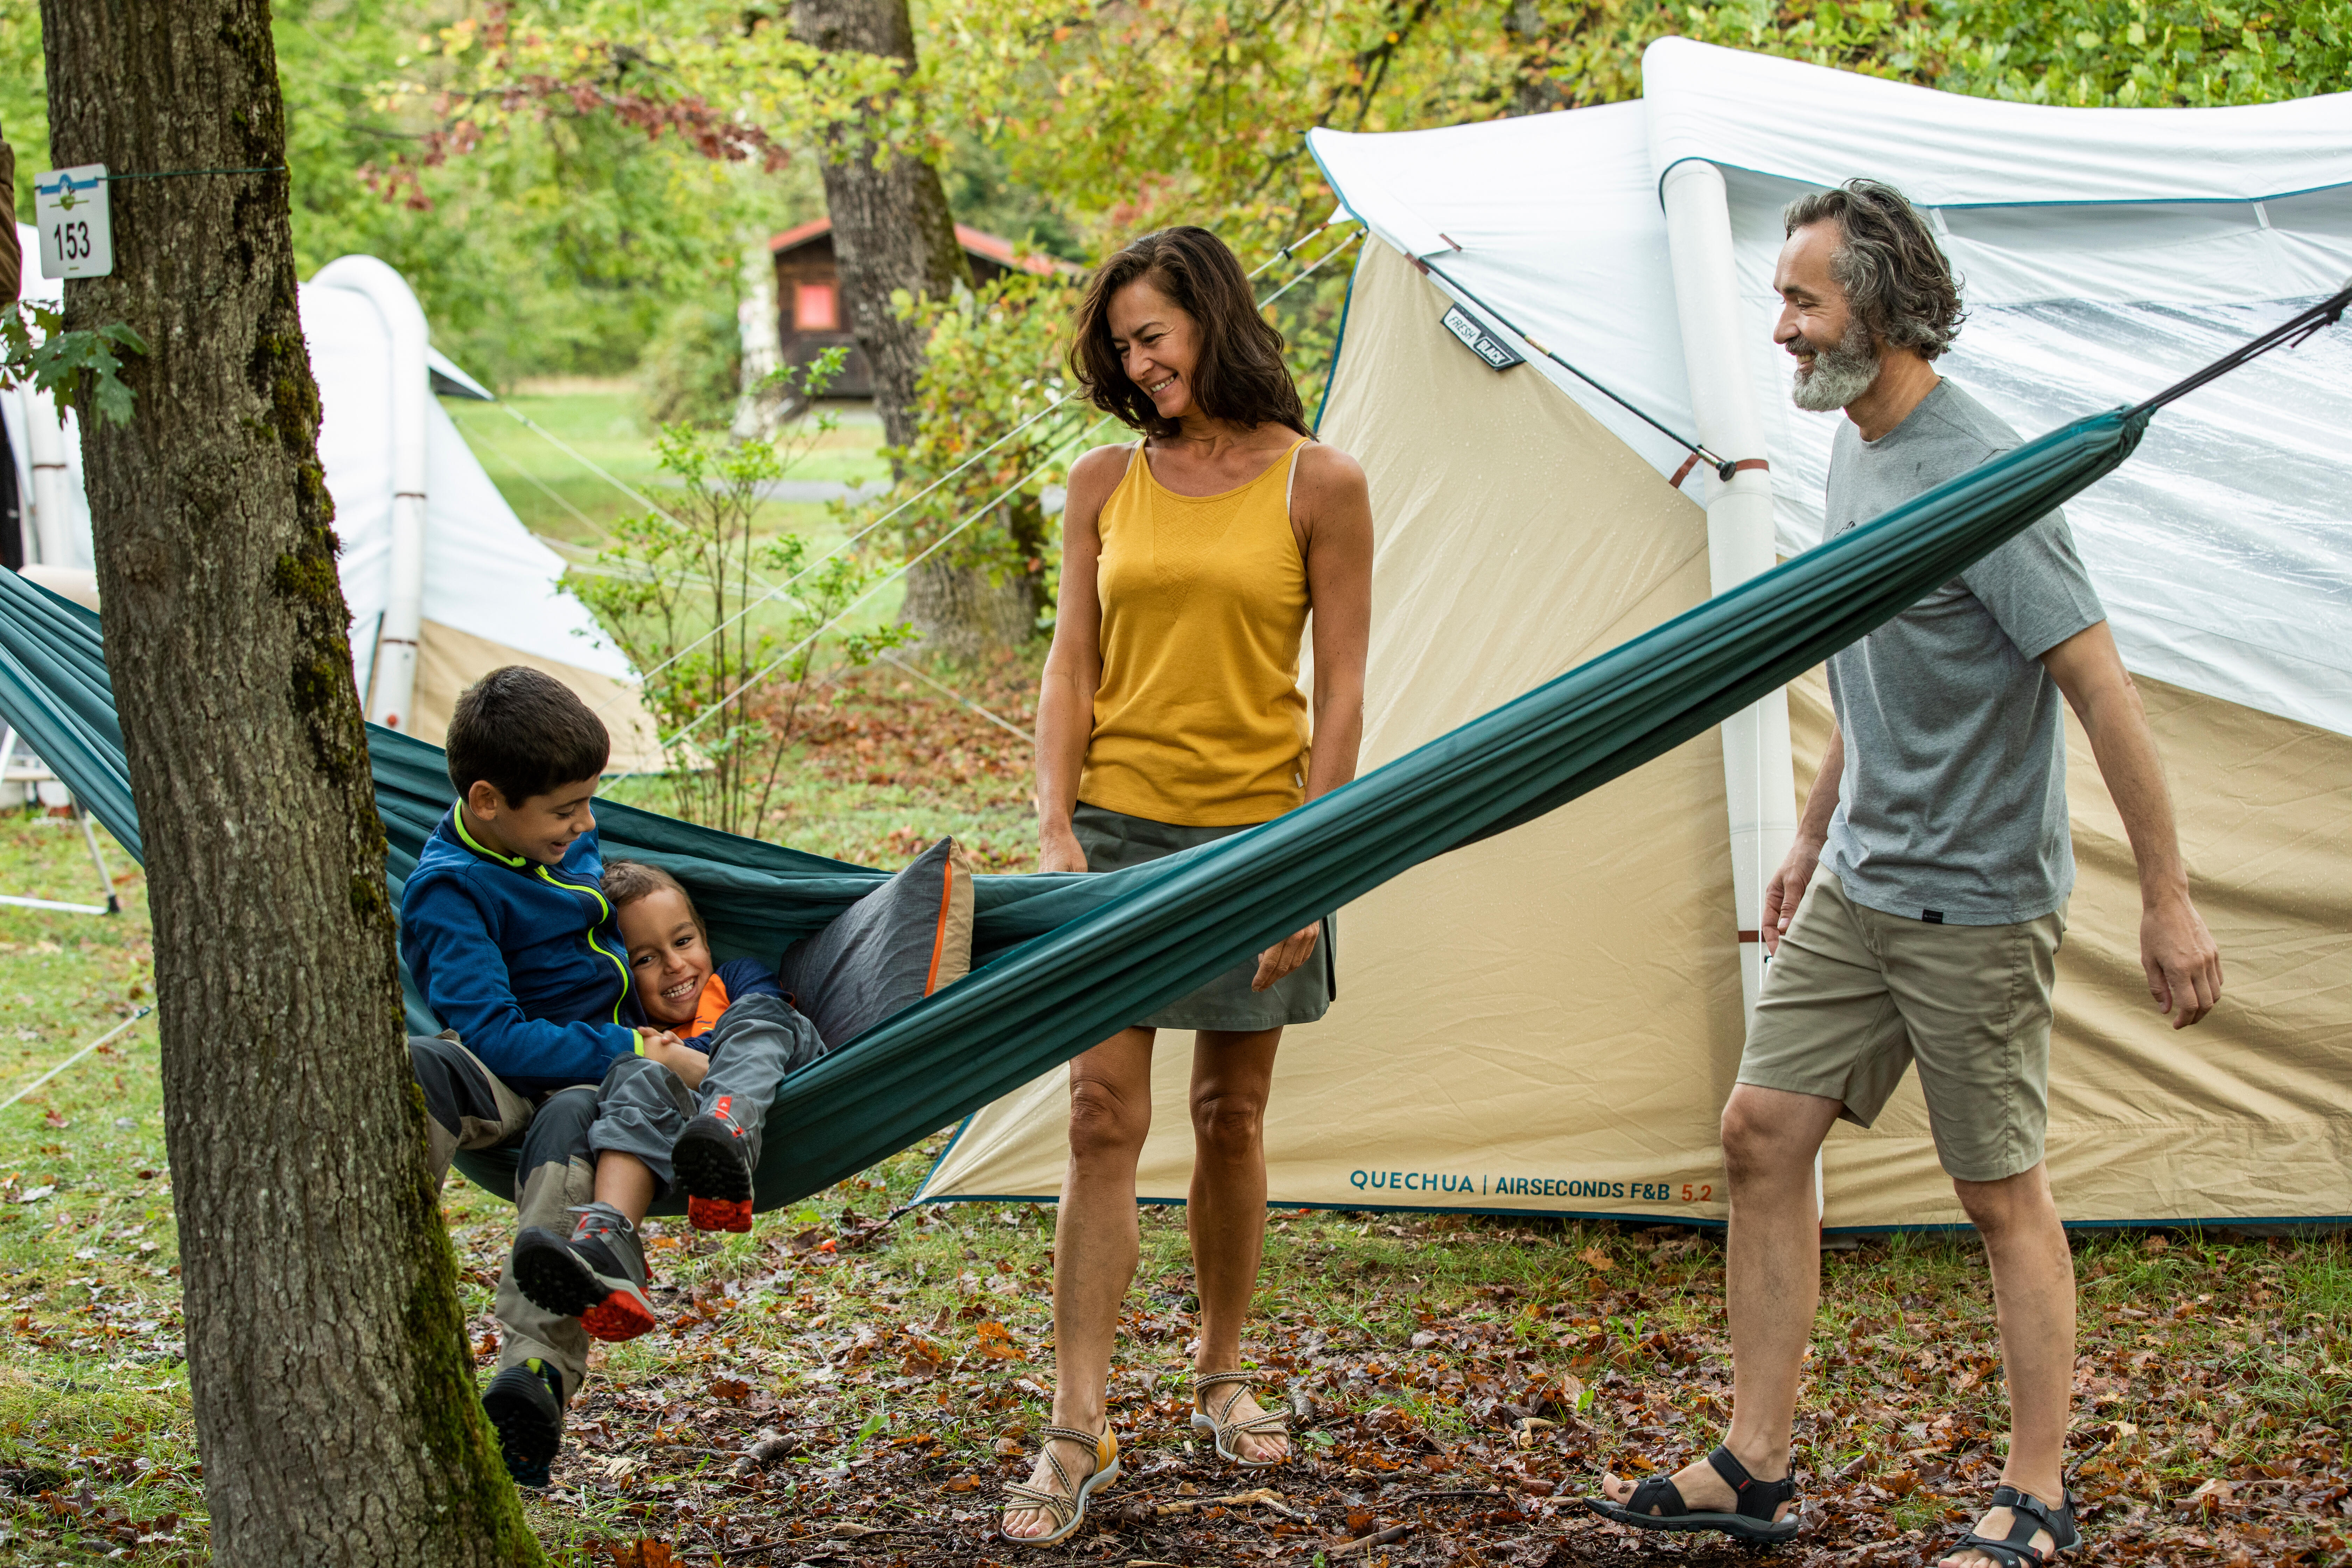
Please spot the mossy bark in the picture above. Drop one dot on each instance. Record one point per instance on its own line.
(335, 1405)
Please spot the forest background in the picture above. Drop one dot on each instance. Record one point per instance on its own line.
(569, 185)
(583, 187)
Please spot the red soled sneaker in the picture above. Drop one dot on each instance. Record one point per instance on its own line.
(597, 1274)
(712, 1160)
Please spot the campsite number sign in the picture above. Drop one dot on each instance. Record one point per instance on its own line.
(76, 222)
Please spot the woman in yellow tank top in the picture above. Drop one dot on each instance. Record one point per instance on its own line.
(1193, 561)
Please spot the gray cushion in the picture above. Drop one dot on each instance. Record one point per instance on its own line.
(888, 951)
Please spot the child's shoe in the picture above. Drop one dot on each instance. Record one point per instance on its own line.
(713, 1164)
(597, 1275)
(525, 1404)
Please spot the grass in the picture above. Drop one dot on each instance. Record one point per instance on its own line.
(559, 496)
(903, 1368)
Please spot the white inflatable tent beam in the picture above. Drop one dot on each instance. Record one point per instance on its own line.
(388, 684)
(1758, 774)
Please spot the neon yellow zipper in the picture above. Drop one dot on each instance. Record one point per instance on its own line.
(598, 894)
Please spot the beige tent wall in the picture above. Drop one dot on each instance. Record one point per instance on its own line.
(1559, 1004)
(2247, 1115)
(1562, 1005)
(451, 660)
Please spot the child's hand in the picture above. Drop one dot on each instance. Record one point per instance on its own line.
(675, 1054)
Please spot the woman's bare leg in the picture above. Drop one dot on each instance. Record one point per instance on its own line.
(1095, 1248)
(1232, 1074)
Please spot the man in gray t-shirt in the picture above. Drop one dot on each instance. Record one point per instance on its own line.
(1917, 918)
(1952, 805)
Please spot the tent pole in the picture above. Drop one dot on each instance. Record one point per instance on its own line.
(44, 450)
(392, 676)
(1759, 780)
(98, 859)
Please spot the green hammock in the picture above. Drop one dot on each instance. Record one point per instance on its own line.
(1063, 961)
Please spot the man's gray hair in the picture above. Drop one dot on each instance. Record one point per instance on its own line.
(1896, 277)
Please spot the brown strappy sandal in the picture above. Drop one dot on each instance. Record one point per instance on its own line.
(1067, 1507)
(1269, 1423)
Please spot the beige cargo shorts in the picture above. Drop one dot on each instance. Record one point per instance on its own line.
(1855, 995)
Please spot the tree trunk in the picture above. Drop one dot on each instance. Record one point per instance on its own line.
(334, 1399)
(760, 410)
(10, 257)
(892, 230)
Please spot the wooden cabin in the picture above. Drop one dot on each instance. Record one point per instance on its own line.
(812, 315)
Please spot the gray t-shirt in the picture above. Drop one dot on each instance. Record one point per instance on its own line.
(1952, 806)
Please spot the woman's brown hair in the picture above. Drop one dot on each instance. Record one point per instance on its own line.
(1239, 377)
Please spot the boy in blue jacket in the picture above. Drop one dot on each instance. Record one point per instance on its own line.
(507, 932)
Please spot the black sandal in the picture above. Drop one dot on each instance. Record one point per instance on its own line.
(2027, 1516)
(1759, 1501)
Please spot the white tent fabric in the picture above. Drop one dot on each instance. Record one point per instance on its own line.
(1549, 1021)
(487, 578)
(484, 573)
(2102, 252)
(20, 407)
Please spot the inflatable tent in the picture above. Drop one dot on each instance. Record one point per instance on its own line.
(443, 581)
(1548, 1022)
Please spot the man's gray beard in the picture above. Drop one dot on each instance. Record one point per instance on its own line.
(1840, 373)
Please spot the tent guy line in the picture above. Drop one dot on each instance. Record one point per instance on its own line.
(1005, 724)
(78, 1055)
(503, 455)
(1724, 467)
(1304, 273)
(884, 581)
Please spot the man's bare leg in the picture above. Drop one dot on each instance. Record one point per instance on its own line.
(1095, 1248)
(1231, 1073)
(1773, 1284)
(2033, 1297)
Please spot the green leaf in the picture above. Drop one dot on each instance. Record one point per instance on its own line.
(79, 369)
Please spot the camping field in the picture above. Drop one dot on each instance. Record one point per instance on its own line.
(559, 497)
(843, 1388)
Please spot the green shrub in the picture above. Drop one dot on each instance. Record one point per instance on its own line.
(691, 370)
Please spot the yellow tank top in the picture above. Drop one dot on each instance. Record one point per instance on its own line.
(1199, 719)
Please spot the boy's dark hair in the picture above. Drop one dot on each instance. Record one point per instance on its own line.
(525, 732)
(1895, 275)
(626, 881)
(1240, 376)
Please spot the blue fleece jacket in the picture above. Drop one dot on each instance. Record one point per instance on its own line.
(524, 961)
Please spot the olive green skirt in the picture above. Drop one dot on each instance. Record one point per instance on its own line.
(1114, 841)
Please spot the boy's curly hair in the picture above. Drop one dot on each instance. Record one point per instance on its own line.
(626, 881)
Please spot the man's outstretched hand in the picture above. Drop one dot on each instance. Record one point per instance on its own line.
(2182, 963)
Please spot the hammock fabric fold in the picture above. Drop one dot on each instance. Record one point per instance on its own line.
(1063, 961)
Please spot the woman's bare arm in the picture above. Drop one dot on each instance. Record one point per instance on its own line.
(1334, 510)
(1331, 511)
(1066, 699)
